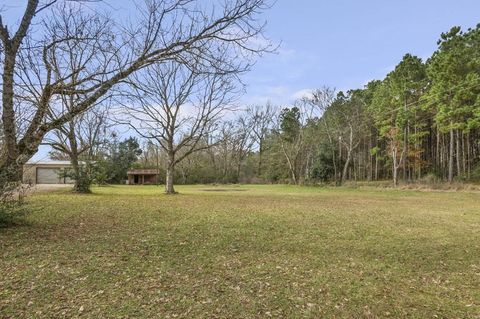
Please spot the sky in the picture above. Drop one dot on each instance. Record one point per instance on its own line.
(342, 44)
(346, 43)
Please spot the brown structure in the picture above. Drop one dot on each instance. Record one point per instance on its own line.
(143, 177)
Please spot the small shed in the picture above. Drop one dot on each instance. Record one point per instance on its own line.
(143, 176)
(46, 172)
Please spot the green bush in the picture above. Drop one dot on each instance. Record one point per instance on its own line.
(475, 175)
(12, 204)
(11, 212)
(101, 173)
(88, 174)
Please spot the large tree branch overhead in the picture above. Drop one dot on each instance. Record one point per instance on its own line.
(222, 38)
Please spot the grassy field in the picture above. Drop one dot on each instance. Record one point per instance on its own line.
(244, 252)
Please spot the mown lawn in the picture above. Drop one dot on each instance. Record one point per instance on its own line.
(244, 252)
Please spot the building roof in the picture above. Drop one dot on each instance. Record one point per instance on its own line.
(144, 171)
(52, 163)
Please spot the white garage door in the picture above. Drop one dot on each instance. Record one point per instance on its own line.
(48, 176)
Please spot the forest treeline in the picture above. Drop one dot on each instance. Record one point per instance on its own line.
(420, 122)
(173, 81)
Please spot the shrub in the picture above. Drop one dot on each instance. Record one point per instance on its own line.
(12, 203)
(430, 179)
(86, 176)
(101, 173)
(475, 175)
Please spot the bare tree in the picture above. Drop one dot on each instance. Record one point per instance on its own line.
(83, 134)
(10, 48)
(178, 107)
(242, 141)
(350, 136)
(80, 139)
(397, 152)
(180, 30)
(261, 117)
(291, 133)
(322, 99)
(222, 154)
(341, 117)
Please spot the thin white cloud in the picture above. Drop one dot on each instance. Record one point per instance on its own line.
(278, 95)
(304, 93)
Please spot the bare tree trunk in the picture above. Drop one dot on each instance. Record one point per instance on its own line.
(437, 154)
(404, 161)
(74, 159)
(260, 155)
(10, 167)
(396, 164)
(464, 158)
(169, 189)
(239, 169)
(350, 147)
(11, 163)
(468, 156)
(459, 169)
(294, 177)
(405, 146)
(345, 167)
(395, 168)
(394, 173)
(334, 161)
(8, 120)
(338, 179)
(291, 166)
(450, 157)
(370, 159)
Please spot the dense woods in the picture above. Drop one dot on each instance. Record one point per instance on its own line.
(175, 91)
(421, 122)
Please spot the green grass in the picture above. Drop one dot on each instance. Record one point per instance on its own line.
(244, 252)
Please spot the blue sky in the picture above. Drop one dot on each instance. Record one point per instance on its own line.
(346, 43)
(339, 43)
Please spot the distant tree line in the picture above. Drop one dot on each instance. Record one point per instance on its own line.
(174, 82)
(420, 122)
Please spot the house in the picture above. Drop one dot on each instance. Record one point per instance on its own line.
(46, 172)
(143, 177)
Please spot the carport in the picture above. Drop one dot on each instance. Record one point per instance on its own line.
(142, 176)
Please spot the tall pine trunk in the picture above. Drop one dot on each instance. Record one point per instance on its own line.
(450, 156)
(395, 169)
(459, 169)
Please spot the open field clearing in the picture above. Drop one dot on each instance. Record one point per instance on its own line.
(243, 252)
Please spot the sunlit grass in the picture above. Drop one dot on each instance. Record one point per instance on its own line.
(243, 252)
